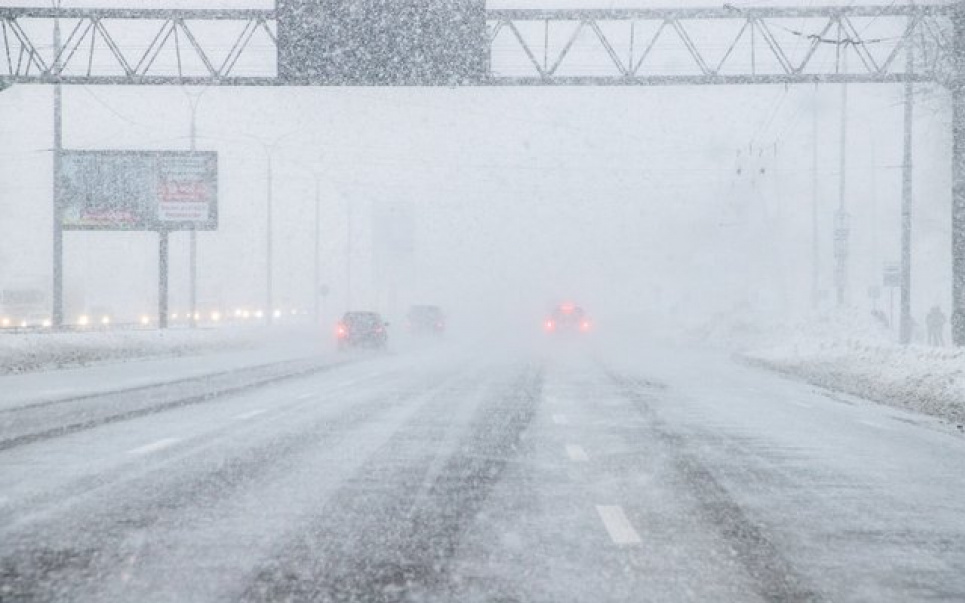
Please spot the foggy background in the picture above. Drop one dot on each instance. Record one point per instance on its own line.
(672, 205)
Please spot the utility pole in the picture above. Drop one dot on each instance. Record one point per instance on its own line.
(316, 285)
(269, 149)
(57, 287)
(348, 258)
(815, 241)
(875, 248)
(842, 228)
(958, 177)
(906, 198)
(269, 294)
(193, 234)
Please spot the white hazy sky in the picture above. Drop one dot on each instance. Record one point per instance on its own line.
(626, 199)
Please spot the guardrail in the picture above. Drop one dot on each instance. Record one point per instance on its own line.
(16, 327)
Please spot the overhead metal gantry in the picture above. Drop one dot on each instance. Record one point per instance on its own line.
(526, 47)
(137, 46)
(727, 45)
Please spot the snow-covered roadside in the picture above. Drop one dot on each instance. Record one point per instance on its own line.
(23, 353)
(854, 355)
(928, 380)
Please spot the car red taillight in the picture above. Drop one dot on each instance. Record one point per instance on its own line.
(549, 325)
(341, 331)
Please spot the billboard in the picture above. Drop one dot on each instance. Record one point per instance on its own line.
(383, 42)
(138, 190)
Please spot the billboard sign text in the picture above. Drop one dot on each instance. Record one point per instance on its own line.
(138, 190)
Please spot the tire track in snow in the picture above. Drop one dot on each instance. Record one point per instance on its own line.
(387, 536)
(773, 575)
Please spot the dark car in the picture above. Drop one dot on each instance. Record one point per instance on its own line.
(362, 330)
(426, 320)
(567, 318)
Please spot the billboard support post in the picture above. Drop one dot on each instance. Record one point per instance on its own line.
(162, 273)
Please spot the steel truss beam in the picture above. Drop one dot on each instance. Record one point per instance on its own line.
(106, 46)
(527, 47)
(748, 46)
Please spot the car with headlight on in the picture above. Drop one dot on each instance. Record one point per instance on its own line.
(567, 318)
(426, 321)
(361, 330)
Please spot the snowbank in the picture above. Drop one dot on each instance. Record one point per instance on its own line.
(852, 353)
(20, 353)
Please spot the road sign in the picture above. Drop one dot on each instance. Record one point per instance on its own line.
(891, 276)
(383, 42)
(138, 190)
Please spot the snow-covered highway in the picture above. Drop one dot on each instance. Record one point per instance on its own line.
(457, 474)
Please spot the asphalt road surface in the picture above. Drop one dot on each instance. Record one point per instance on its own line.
(450, 474)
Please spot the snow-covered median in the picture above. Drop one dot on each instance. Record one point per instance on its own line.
(23, 353)
(851, 354)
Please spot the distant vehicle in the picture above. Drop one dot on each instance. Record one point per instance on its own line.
(567, 318)
(24, 307)
(426, 320)
(362, 330)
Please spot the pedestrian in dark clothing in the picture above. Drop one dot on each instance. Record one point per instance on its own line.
(936, 326)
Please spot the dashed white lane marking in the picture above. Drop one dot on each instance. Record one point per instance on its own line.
(560, 419)
(154, 446)
(576, 453)
(801, 404)
(874, 425)
(307, 396)
(249, 414)
(617, 525)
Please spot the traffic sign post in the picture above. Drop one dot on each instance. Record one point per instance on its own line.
(891, 277)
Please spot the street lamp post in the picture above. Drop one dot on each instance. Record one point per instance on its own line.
(193, 234)
(316, 284)
(269, 149)
(269, 293)
(57, 286)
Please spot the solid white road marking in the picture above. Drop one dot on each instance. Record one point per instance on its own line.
(154, 446)
(250, 414)
(560, 419)
(617, 525)
(576, 453)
